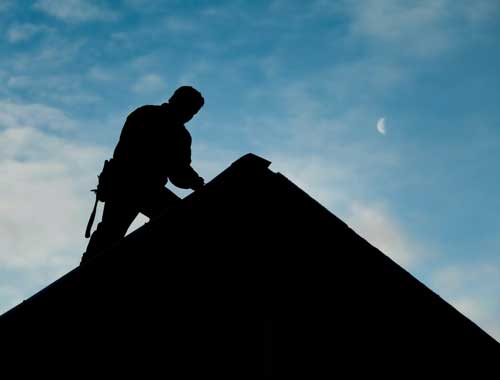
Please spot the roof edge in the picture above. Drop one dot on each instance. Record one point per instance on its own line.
(251, 160)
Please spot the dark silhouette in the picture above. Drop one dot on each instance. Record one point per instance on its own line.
(246, 270)
(154, 147)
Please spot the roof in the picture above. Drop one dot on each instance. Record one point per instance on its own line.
(199, 288)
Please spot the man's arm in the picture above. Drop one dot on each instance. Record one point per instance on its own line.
(181, 173)
(186, 178)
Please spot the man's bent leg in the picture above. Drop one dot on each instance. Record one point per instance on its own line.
(116, 219)
(156, 202)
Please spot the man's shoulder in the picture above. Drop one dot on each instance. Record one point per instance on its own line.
(144, 110)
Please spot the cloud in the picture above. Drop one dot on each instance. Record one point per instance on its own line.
(472, 288)
(100, 74)
(380, 229)
(9, 296)
(422, 29)
(179, 25)
(480, 311)
(453, 279)
(479, 12)
(22, 32)
(5, 5)
(312, 174)
(149, 84)
(331, 185)
(44, 206)
(19, 81)
(15, 115)
(76, 10)
(54, 88)
(53, 52)
(43, 210)
(45, 200)
(143, 5)
(330, 157)
(381, 125)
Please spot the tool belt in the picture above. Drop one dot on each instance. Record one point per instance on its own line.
(102, 192)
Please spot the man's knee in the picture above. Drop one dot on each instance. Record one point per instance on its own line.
(158, 201)
(105, 235)
(111, 231)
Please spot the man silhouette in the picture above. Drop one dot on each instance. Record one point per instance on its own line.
(154, 146)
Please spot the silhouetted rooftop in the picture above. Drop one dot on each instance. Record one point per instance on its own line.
(189, 292)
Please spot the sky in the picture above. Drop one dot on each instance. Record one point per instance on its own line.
(384, 111)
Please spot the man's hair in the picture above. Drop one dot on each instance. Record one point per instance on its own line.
(187, 95)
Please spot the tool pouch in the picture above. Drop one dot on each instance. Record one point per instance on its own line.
(102, 192)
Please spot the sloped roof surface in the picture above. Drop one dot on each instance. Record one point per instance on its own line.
(189, 293)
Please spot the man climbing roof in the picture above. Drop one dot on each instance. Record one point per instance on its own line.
(154, 147)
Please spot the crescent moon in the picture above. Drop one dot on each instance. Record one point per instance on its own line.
(381, 125)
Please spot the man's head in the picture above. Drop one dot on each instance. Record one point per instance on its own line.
(186, 102)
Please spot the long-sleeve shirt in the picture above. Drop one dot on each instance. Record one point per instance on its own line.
(153, 148)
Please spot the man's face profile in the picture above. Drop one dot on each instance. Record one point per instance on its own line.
(184, 111)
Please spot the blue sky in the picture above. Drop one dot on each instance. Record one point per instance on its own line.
(385, 111)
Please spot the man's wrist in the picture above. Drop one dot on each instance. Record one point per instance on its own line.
(199, 182)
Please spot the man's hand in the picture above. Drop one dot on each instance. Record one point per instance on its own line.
(198, 184)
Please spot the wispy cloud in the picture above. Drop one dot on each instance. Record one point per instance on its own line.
(5, 4)
(53, 88)
(54, 52)
(480, 11)
(315, 118)
(76, 10)
(179, 25)
(16, 115)
(19, 81)
(376, 225)
(423, 29)
(22, 32)
(42, 206)
(100, 74)
(45, 198)
(10, 295)
(312, 174)
(419, 27)
(472, 288)
(149, 84)
(145, 6)
(326, 182)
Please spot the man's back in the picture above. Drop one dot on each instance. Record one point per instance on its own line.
(152, 145)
